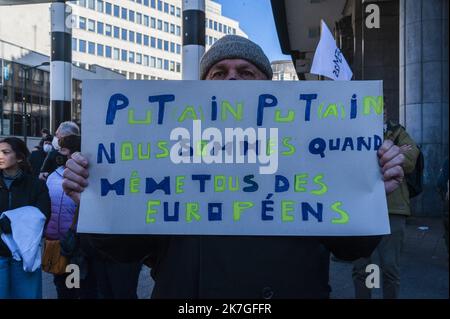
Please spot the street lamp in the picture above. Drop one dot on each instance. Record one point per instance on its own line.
(24, 105)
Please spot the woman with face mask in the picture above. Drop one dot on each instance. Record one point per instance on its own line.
(20, 193)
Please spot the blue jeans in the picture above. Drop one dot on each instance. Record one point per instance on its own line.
(15, 283)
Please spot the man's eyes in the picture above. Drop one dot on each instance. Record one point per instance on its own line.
(218, 74)
(247, 74)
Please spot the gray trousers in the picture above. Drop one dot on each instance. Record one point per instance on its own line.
(389, 251)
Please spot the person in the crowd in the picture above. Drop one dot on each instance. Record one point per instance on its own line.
(54, 157)
(45, 132)
(18, 189)
(236, 266)
(38, 155)
(62, 219)
(390, 247)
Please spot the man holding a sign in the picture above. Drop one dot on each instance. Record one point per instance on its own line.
(277, 257)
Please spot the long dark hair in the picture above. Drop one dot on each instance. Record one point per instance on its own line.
(22, 153)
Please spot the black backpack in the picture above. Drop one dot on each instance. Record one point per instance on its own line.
(414, 180)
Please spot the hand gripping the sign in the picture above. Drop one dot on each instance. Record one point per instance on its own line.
(75, 176)
(391, 159)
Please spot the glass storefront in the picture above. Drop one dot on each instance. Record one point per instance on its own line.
(34, 86)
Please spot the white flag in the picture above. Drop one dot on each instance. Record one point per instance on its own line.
(328, 59)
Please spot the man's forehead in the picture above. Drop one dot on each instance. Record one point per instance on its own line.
(233, 63)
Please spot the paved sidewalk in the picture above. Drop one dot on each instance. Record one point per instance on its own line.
(424, 264)
(424, 267)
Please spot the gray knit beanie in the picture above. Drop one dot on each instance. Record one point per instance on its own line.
(235, 47)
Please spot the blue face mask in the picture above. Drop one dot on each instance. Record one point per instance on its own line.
(47, 148)
(55, 143)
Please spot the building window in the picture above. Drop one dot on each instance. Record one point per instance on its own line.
(100, 6)
(146, 40)
(159, 63)
(131, 57)
(124, 55)
(153, 4)
(172, 66)
(178, 65)
(74, 48)
(210, 23)
(172, 47)
(146, 20)
(82, 46)
(131, 36)
(108, 51)
(166, 27)
(215, 25)
(124, 13)
(131, 76)
(153, 23)
(160, 44)
(172, 28)
(131, 15)
(178, 31)
(116, 54)
(100, 49)
(160, 5)
(138, 18)
(172, 10)
(153, 42)
(99, 27)
(116, 32)
(166, 64)
(178, 10)
(166, 7)
(152, 62)
(91, 47)
(146, 60)
(178, 49)
(160, 25)
(139, 38)
(138, 58)
(108, 8)
(166, 45)
(82, 3)
(91, 25)
(146, 3)
(116, 11)
(82, 23)
(91, 4)
(108, 30)
(124, 34)
(220, 27)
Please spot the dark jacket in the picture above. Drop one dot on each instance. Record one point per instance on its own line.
(53, 160)
(36, 160)
(236, 266)
(26, 190)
